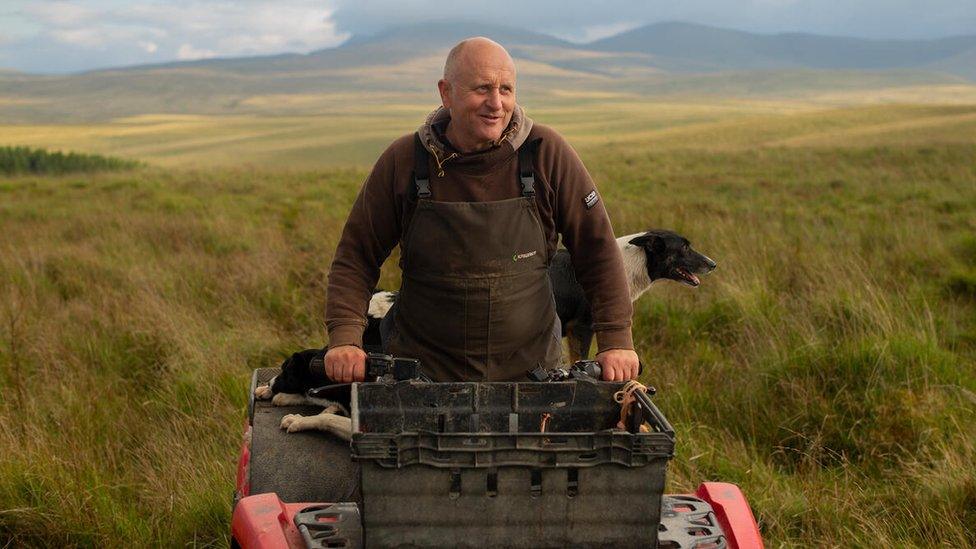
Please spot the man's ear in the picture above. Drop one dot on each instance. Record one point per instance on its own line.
(444, 88)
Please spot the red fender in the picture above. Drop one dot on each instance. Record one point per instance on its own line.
(263, 521)
(733, 514)
(243, 487)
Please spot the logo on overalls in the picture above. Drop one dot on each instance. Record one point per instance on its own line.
(526, 255)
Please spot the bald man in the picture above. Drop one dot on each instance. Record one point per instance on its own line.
(477, 199)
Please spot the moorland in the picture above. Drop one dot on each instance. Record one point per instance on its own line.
(826, 366)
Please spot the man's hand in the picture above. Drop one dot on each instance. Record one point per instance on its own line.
(618, 364)
(345, 364)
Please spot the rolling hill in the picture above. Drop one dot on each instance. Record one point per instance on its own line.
(689, 47)
(672, 47)
(402, 64)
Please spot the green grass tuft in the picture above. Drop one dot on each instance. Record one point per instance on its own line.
(962, 283)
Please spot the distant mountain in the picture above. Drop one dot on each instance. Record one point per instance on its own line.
(666, 58)
(668, 47)
(391, 47)
(661, 47)
(962, 64)
(441, 34)
(687, 47)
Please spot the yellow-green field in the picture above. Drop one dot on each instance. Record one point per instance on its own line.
(311, 131)
(827, 366)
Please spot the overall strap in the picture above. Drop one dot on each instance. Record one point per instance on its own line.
(526, 162)
(421, 174)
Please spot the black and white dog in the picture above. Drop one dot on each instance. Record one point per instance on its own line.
(290, 387)
(301, 372)
(648, 257)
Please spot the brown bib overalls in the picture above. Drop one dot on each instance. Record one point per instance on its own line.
(475, 301)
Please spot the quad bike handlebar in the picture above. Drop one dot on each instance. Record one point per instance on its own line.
(385, 367)
(380, 366)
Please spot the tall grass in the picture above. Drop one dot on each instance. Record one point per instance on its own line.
(826, 366)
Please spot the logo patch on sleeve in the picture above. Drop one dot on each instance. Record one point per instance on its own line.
(591, 199)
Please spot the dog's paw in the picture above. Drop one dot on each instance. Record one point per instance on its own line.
(336, 409)
(292, 422)
(263, 392)
(325, 422)
(330, 406)
(288, 399)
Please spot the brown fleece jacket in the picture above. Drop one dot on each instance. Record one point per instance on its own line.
(383, 209)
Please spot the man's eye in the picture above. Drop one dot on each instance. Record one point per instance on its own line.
(483, 88)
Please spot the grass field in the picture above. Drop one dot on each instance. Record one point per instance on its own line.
(312, 131)
(827, 366)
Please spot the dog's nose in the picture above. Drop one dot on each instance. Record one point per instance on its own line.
(711, 264)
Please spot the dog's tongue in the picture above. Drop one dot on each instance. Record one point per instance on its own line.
(690, 277)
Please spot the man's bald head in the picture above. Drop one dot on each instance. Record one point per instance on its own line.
(478, 89)
(474, 50)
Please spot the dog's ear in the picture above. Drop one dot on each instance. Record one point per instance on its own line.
(649, 241)
(641, 240)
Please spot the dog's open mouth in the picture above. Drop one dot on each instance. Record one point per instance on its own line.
(687, 277)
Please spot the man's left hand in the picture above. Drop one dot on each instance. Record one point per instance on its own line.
(618, 364)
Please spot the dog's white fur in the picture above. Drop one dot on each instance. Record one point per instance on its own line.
(380, 304)
(635, 266)
(263, 392)
(288, 399)
(334, 418)
(329, 421)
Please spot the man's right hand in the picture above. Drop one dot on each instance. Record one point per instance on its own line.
(345, 364)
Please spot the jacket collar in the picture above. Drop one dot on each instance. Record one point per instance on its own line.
(514, 135)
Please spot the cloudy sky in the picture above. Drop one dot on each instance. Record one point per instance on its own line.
(65, 36)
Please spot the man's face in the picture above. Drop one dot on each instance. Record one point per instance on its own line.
(481, 97)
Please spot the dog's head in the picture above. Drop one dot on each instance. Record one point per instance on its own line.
(669, 255)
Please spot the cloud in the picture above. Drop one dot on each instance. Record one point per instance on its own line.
(775, 3)
(60, 36)
(110, 32)
(596, 32)
(105, 36)
(187, 52)
(235, 28)
(59, 14)
(88, 38)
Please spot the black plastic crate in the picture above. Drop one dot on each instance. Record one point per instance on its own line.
(468, 465)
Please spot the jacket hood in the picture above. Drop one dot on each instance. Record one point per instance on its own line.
(515, 134)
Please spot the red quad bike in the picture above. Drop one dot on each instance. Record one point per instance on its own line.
(568, 462)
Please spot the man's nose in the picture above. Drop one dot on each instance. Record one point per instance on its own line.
(495, 99)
